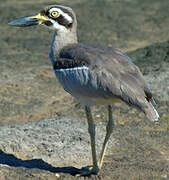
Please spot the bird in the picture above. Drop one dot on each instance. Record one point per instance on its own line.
(93, 74)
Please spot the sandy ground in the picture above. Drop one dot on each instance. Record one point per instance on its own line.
(30, 95)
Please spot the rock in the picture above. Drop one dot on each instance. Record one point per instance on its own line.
(59, 142)
(48, 145)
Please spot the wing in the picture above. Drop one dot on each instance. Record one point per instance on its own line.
(114, 70)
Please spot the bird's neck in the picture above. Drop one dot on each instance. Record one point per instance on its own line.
(60, 40)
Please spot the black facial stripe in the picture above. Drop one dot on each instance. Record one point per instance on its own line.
(48, 23)
(66, 12)
(62, 21)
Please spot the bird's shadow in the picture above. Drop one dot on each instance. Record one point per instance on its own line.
(11, 160)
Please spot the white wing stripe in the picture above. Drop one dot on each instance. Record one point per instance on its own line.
(70, 69)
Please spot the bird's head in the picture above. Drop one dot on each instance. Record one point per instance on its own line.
(56, 17)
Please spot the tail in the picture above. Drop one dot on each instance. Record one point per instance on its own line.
(151, 112)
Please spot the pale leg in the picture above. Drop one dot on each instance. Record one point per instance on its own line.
(91, 130)
(87, 171)
(109, 130)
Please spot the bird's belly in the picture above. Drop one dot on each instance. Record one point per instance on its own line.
(81, 83)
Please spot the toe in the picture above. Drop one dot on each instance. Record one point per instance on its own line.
(88, 171)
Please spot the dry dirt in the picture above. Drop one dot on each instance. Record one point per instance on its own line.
(35, 112)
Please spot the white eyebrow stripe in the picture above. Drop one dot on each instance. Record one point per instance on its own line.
(66, 16)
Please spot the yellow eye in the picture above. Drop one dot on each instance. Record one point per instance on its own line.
(54, 14)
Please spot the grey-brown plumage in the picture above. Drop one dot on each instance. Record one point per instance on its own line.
(112, 70)
(92, 74)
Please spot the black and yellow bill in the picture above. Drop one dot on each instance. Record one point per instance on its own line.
(29, 20)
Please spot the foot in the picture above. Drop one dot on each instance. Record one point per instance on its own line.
(87, 171)
(57, 175)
